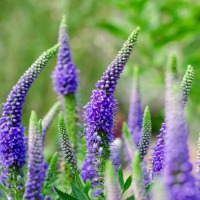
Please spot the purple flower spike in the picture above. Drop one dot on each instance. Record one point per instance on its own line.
(65, 75)
(177, 172)
(110, 77)
(135, 111)
(36, 166)
(100, 111)
(99, 116)
(12, 146)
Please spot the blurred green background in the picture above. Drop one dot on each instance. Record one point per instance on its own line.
(97, 30)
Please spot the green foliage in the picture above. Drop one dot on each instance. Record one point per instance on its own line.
(78, 193)
(123, 185)
(50, 176)
(64, 195)
(121, 178)
(146, 133)
(131, 198)
(87, 187)
(127, 184)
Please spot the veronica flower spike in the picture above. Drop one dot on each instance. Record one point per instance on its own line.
(12, 147)
(36, 166)
(178, 178)
(65, 80)
(100, 111)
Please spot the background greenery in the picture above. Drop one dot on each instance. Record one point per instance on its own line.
(97, 30)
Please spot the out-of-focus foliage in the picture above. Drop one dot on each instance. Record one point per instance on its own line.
(97, 29)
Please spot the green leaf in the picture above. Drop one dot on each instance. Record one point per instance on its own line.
(78, 193)
(87, 186)
(131, 198)
(51, 171)
(121, 178)
(79, 182)
(64, 195)
(127, 183)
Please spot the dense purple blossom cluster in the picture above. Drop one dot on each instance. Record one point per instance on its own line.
(65, 74)
(99, 119)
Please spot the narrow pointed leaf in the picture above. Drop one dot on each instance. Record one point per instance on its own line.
(131, 198)
(87, 186)
(78, 193)
(127, 184)
(63, 195)
(121, 178)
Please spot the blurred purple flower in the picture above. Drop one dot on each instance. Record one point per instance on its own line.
(178, 170)
(157, 159)
(135, 112)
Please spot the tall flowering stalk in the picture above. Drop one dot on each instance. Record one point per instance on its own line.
(36, 166)
(65, 80)
(100, 111)
(135, 111)
(178, 177)
(185, 87)
(12, 146)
